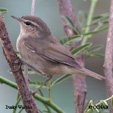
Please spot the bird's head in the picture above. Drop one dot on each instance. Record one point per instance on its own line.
(32, 25)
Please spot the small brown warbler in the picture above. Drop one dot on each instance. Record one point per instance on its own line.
(40, 50)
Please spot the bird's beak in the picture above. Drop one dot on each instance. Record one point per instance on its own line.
(17, 18)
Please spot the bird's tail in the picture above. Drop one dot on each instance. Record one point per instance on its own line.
(92, 74)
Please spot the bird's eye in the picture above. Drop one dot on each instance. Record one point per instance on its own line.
(28, 23)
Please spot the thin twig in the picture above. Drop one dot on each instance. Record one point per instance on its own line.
(89, 20)
(108, 63)
(15, 65)
(33, 7)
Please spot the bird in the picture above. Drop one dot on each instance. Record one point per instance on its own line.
(43, 52)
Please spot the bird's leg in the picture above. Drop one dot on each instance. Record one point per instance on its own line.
(44, 83)
(26, 73)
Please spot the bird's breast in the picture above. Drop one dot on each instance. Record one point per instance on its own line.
(18, 43)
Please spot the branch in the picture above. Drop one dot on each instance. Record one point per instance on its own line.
(15, 65)
(108, 63)
(65, 9)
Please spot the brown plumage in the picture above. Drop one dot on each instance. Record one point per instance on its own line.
(43, 52)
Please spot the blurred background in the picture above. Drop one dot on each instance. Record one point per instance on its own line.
(48, 10)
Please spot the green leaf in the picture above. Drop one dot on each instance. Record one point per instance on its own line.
(97, 110)
(89, 54)
(98, 54)
(48, 110)
(112, 101)
(90, 107)
(3, 11)
(17, 103)
(89, 111)
(101, 18)
(97, 31)
(94, 51)
(31, 72)
(76, 28)
(20, 110)
(61, 79)
(70, 39)
(77, 50)
(69, 21)
(105, 103)
(96, 48)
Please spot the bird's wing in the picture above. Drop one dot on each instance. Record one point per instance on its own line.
(51, 50)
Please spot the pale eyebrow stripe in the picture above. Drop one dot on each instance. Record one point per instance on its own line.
(32, 23)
